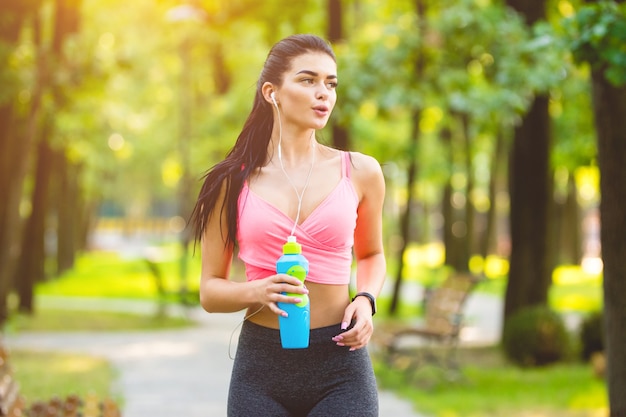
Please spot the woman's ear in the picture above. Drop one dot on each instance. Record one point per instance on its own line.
(269, 93)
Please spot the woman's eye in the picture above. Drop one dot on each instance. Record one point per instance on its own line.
(332, 85)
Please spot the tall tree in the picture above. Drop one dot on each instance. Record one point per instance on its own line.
(335, 35)
(418, 65)
(488, 244)
(609, 107)
(30, 268)
(16, 133)
(598, 38)
(70, 211)
(530, 194)
(32, 255)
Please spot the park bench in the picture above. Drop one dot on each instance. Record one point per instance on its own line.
(434, 340)
(13, 404)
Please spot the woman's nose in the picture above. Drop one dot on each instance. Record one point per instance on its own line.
(322, 92)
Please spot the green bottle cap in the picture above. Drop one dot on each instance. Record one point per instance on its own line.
(292, 247)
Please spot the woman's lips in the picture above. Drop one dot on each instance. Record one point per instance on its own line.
(321, 110)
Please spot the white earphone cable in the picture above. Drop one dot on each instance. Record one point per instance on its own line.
(230, 341)
(300, 195)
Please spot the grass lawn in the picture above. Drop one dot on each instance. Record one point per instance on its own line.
(490, 386)
(73, 320)
(109, 274)
(45, 375)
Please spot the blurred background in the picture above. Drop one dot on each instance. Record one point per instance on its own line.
(112, 111)
(479, 111)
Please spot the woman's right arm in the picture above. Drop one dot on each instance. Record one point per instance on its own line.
(220, 295)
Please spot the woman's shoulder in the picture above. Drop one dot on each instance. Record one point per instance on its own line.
(367, 176)
(365, 165)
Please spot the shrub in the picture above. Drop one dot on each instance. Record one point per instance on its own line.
(591, 335)
(535, 336)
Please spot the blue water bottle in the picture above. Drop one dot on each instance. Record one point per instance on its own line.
(295, 328)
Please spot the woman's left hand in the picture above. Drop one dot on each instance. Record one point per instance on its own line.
(358, 312)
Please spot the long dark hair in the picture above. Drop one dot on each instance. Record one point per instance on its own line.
(250, 149)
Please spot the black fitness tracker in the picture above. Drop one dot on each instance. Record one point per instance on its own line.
(370, 297)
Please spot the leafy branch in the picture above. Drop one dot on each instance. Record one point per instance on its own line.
(597, 35)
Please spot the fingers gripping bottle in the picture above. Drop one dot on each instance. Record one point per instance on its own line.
(295, 328)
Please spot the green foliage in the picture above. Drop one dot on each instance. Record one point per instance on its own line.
(592, 335)
(597, 35)
(128, 89)
(477, 59)
(496, 71)
(574, 134)
(535, 336)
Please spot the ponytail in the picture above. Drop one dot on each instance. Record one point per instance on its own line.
(248, 154)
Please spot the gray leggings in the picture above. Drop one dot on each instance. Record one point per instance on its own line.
(324, 380)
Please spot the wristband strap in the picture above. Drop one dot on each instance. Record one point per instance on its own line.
(370, 297)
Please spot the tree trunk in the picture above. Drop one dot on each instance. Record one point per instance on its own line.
(405, 221)
(531, 196)
(69, 216)
(222, 78)
(418, 65)
(488, 244)
(17, 140)
(64, 21)
(31, 262)
(10, 28)
(470, 212)
(567, 221)
(67, 21)
(341, 139)
(530, 187)
(12, 152)
(452, 241)
(609, 105)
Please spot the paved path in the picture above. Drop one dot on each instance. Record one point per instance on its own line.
(175, 373)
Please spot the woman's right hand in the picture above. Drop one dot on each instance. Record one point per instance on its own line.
(279, 288)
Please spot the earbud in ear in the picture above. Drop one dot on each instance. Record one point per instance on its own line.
(273, 97)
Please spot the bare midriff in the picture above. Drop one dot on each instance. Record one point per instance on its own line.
(328, 303)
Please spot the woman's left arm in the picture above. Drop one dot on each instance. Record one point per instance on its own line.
(368, 250)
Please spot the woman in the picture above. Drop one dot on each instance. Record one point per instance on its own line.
(279, 181)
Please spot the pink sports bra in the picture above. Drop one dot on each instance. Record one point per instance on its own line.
(326, 235)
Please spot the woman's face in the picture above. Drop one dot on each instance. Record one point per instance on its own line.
(307, 95)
